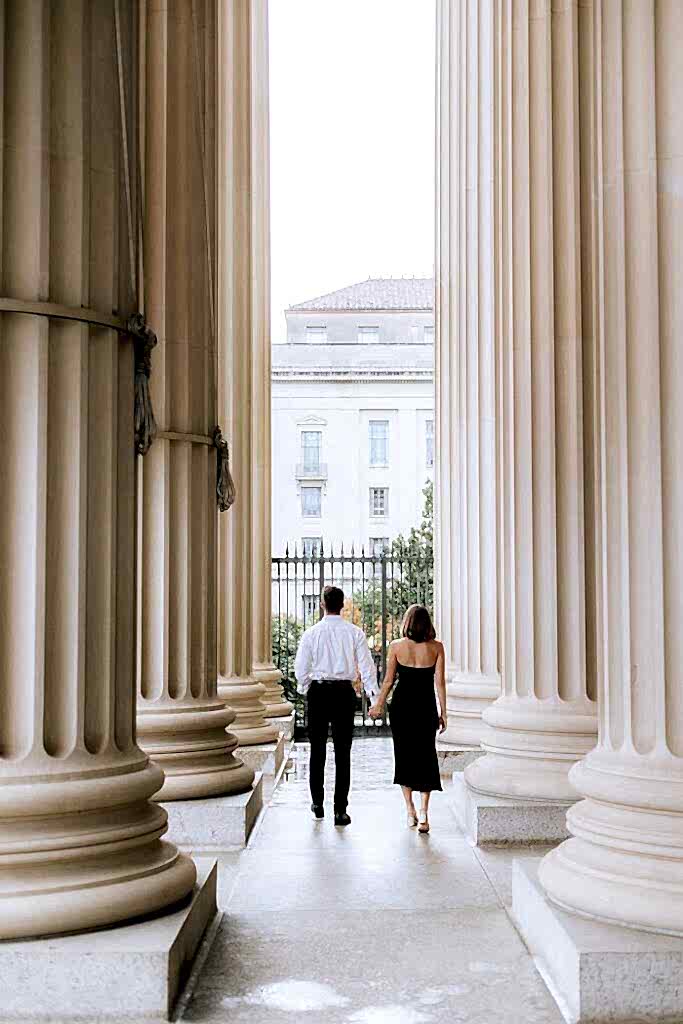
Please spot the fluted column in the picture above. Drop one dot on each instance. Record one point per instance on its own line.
(625, 864)
(466, 473)
(545, 719)
(181, 720)
(80, 843)
(238, 319)
(264, 668)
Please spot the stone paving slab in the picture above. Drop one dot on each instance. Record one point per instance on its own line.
(372, 924)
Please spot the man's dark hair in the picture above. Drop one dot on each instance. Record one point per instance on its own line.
(333, 600)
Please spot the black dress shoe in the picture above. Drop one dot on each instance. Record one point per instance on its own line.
(342, 818)
(318, 810)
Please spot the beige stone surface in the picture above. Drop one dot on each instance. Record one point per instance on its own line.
(216, 824)
(495, 820)
(244, 327)
(545, 719)
(80, 843)
(467, 463)
(130, 973)
(181, 720)
(624, 863)
(600, 973)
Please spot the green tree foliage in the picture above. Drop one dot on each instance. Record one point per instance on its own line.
(286, 633)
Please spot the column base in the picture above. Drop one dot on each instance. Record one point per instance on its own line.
(219, 823)
(191, 744)
(453, 758)
(245, 696)
(266, 758)
(468, 695)
(532, 745)
(131, 972)
(494, 820)
(598, 972)
(99, 862)
(277, 706)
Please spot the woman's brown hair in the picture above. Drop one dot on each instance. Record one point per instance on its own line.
(417, 624)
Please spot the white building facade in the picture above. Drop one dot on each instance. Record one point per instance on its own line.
(353, 417)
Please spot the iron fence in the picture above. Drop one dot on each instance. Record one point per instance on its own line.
(378, 588)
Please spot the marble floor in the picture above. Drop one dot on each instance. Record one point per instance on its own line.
(372, 924)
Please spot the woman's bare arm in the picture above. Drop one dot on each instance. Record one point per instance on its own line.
(440, 682)
(377, 708)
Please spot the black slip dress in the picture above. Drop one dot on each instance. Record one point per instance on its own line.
(414, 719)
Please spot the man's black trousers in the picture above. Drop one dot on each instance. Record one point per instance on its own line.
(333, 704)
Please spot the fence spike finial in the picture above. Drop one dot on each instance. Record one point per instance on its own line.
(342, 549)
(287, 550)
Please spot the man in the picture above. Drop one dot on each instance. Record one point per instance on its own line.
(331, 656)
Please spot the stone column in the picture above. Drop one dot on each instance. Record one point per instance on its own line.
(80, 843)
(545, 719)
(181, 720)
(264, 669)
(625, 862)
(466, 472)
(239, 316)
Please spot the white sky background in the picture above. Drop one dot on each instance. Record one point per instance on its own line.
(352, 144)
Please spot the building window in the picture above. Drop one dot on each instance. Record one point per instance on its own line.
(428, 334)
(379, 442)
(311, 547)
(379, 501)
(311, 603)
(316, 335)
(368, 335)
(311, 443)
(429, 443)
(310, 501)
(378, 545)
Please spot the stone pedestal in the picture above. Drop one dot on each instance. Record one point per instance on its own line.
(266, 758)
(453, 759)
(216, 824)
(286, 727)
(598, 972)
(132, 972)
(498, 821)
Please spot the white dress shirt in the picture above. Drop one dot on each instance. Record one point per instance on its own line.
(334, 649)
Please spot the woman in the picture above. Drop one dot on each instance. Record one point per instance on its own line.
(417, 659)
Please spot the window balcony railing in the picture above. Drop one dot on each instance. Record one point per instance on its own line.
(311, 471)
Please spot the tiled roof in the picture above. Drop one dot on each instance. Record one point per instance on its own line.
(377, 293)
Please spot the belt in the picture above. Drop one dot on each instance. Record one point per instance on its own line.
(323, 680)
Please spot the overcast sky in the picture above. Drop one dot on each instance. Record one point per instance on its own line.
(352, 128)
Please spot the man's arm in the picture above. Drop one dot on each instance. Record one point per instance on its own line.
(302, 664)
(366, 665)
